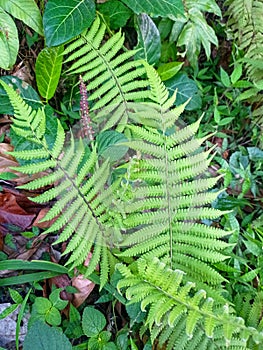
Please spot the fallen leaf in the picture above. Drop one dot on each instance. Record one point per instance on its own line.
(84, 286)
(40, 216)
(12, 213)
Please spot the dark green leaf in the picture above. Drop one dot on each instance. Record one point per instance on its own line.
(187, 88)
(65, 19)
(53, 316)
(149, 41)
(135, 313)
(74, 329)
(110, 145)
(28, 278)
(163, 8)
(48, 69)
(32, 265)
(28, 94)
(165, 26)
(42, 337)
(115, 13)
(56, 300)
(255, 154)
(93, 322)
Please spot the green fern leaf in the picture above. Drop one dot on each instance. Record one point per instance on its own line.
(175, 308)
(245, 20)
(115, 79)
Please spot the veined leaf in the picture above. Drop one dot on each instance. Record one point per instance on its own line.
(149, 41)
(65, 19)
(115, 13)
(48, 69)
(162, 8)
(168, 70)
(8, 40)
(187, 88)
(25, 10)
(110, 145)
(42, 337)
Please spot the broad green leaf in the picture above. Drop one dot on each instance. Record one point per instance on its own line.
(42, 305)
(56, 300)
(73, 328)
(28, 94)
(8, 41)
(110, 145)
(177, 28)
(149, 41)
(165, 26)
(7, 175)
(53, 316)
(48, 69)
(224, 77)
(163, 8)
(25, 10)
(168, 70)
(186, 89)
(255, 154)
(93, 321)
(115, 13)
(65, 19)
(42, 337)
(236, 74)
(135, 313)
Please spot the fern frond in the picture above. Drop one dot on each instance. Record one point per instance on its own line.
(83, 198)
(176, 308)
(245, 20)
(163, 199)
(27, 122)
(115, 79)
